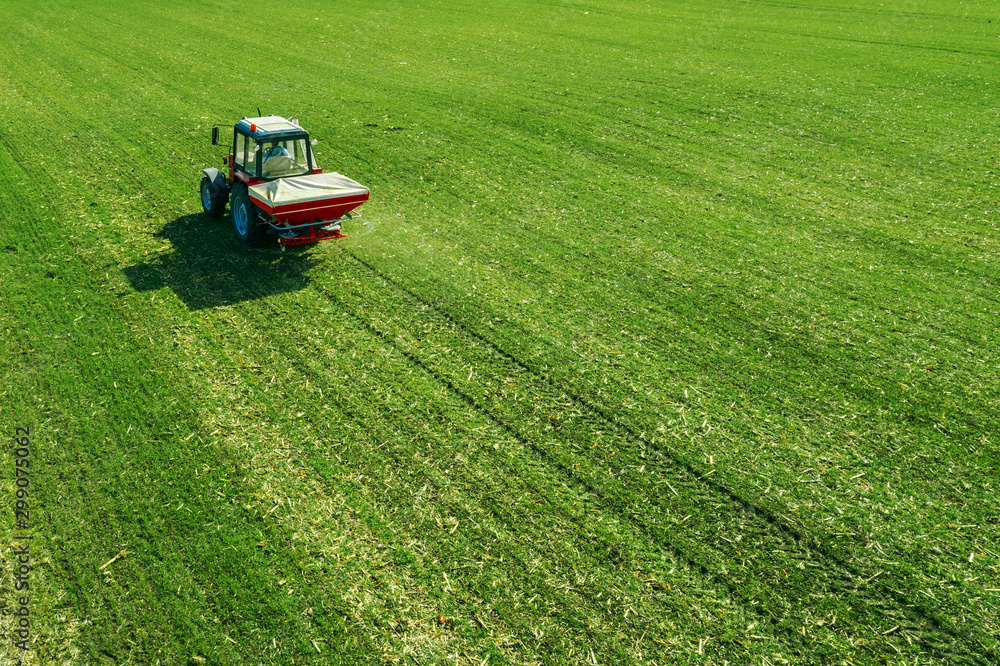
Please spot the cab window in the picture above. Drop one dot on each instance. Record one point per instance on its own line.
(244, 154)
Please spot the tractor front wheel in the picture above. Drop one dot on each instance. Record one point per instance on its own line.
(244, 215)
(212, 202)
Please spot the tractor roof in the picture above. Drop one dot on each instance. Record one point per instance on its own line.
(269, 127)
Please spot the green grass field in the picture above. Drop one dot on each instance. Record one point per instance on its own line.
(669, 335)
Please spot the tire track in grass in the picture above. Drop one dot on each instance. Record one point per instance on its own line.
(263, 325)
(585, 489)
(446, 382)
(307, 365)
(869, 572)
(526, 439)
(887, 601)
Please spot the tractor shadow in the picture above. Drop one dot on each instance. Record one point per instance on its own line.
(207, 268)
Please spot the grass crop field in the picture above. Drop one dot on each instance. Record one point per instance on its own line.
(669, 335)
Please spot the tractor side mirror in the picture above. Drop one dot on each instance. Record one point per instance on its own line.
(215, 136)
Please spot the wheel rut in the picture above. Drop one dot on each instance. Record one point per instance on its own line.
(723, 518)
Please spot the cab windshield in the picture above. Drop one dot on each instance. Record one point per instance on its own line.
(286, 157)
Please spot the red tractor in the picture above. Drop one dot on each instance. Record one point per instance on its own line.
(275, 187)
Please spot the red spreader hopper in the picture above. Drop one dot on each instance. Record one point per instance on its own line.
(306, 209)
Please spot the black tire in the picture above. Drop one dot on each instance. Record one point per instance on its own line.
(245, 219)
(212, 201)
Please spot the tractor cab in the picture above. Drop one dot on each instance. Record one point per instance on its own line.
(268, 148)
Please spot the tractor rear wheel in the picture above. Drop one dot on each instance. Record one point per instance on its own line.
(244, 215)
(212, 202)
